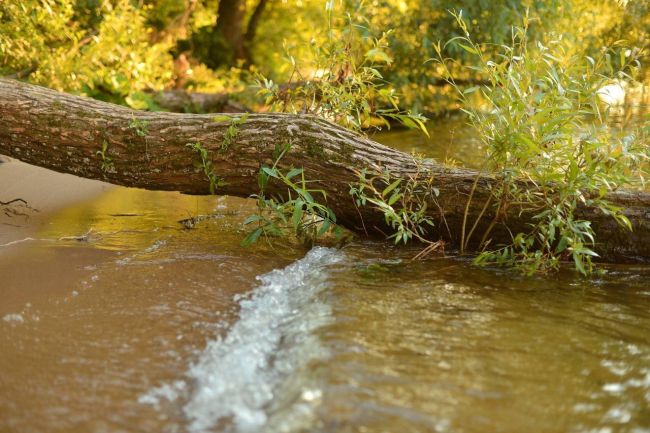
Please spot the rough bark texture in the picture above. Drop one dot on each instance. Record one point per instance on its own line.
(65, 133)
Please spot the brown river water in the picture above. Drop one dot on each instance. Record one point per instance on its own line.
(114, 318)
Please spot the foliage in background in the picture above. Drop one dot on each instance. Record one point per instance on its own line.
(116, 49)
(341, 80)
(113, 61)
(549, 144)
(586, 26)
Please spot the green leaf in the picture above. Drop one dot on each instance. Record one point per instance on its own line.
(331, 215)
(422, 126)
(324, 227)
(221, 118)
(624, 221)
(394, 198)
(378, 55)
(271, 172)
(252, 219)
(561, 246)
(453, 39)
(262, 180)
(294, 172)
(296, 217)
(252, 237)
(577, 259)
(468, 48)
(391, 187)
(306, 195)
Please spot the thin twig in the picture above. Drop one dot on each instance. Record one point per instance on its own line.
(478, 219)
(469, 200)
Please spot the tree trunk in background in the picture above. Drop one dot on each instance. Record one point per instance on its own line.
(65, 133)
(230, 25)
(180, 101)
(251, 30)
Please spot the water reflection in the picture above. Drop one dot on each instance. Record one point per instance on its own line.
(451, 140)
(91, 328)
(440, 346)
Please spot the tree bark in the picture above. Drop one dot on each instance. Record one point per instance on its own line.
(148, 150)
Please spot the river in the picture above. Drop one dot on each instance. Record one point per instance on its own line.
(116, 318)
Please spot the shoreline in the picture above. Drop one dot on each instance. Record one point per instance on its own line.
(45, 192)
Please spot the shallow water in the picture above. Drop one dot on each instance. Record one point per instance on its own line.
(114, 318)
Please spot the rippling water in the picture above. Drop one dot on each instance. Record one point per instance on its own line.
(114, 318)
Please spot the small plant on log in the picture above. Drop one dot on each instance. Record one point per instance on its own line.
(295, 213)
(107, 165)
(404, 203)
(206, 166)
(232, 131)
(141, 127)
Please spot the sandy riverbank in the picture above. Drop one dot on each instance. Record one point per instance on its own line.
(44, 190)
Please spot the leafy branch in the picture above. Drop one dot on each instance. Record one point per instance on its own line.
(298, 213)
(404, 204)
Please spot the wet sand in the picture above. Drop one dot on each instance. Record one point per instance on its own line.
(44, 190)
(25, 271)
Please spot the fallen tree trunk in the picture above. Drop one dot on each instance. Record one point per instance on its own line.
(180, 101)
(98, 140)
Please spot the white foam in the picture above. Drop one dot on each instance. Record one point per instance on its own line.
(13, 318)
(257, 377)
(167, 391)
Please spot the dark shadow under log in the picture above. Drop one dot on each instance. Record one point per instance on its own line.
(148, 150)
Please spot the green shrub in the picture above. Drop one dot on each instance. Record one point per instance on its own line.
(114, 61)
(549, 145)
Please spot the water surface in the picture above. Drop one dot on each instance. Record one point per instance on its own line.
(116, 318)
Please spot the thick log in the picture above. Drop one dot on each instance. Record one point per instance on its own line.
(148, 150)
(180, 101)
